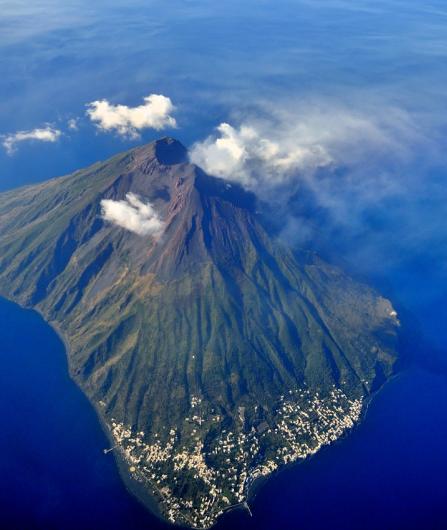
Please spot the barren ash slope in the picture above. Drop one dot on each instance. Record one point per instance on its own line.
(212, 354)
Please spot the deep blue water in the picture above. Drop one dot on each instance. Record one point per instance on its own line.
(390, 473)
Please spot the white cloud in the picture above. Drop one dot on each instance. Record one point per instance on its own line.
(73, 124)
(133, 215)
(358, 180)
(155, 113)
(325, 169)
(246, 154)
(294, 143)
(45, 134)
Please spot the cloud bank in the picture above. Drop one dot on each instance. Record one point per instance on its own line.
(155, 113)
(133, 215)
(44, 134)
(344, 177)
(246, 154)
(291, 145)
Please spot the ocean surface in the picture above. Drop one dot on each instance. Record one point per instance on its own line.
(389, 473)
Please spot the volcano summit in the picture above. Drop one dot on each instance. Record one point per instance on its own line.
(212, 353)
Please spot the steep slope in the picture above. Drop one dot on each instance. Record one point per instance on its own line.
(212, 354)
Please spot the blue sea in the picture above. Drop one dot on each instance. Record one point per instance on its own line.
(366, 80)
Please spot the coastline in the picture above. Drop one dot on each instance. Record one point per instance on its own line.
(148, 498)
(132, 486)
(259, 482)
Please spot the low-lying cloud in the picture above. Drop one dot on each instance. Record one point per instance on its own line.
(155, 113)
(44, 134)
(133, 215)
(73, 124)
(247, 154)
(292, 145)
(353, 179)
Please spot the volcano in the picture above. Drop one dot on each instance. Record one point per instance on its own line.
(212, 353)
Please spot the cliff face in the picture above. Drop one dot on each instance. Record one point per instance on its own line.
(213, 354)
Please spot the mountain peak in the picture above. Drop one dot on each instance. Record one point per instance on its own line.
(167, 151)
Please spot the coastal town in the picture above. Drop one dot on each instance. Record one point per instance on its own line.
(196, 477)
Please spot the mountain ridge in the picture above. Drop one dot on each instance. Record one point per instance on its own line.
(212, 353)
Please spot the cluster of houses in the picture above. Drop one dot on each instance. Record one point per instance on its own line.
(195, 482)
